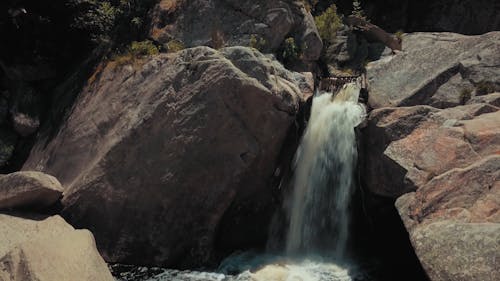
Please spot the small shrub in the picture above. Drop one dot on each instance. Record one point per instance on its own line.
(103, 20)
(484, 88)
(96, 17)
(357, 10)
(348, 71)
(136, 22)
(134, 51)
(328, 23)
(257, 42)
(399, 35)
(290, 49)
(465, 95)
(175, 45)
(143, 48)
(6, 151)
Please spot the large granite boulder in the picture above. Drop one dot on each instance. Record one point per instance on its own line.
(438, 151)
(454, 222)
(408, 146)
(236, 23)
(48, 249)
(154, 153)
(33, 190)
(439, 69)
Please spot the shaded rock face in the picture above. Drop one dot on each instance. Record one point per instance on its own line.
(198, 22)
(32, 190)
(440, 69)
(442, 163)
(460, 16)
(48, 249)
(153, 154)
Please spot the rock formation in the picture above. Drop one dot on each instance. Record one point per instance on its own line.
(268, 23)
(28, 190)
(447, 159)
(155, 152)
(48, 249)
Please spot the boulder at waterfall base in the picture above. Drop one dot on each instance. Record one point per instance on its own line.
(155, 154)
(48, 249)
(28, 189)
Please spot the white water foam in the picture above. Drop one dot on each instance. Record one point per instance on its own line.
(324, 170)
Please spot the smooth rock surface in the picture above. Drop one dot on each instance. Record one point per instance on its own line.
(433, 63)
(154, 154)
(28, 189)
(48, 249)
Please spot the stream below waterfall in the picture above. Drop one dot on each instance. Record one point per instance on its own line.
(317, 207)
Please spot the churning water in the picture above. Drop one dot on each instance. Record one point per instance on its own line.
(324, 170)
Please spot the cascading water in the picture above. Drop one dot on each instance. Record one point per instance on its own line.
(318, 208)
(324, 170)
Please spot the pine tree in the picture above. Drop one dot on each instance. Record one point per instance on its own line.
(357, 10)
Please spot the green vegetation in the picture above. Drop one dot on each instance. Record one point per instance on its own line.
(399, 35)
(174, 45)
(102, 18)
(465, 95)
(6, 151)
(290, 49)
(328, 23)
(257, 42)
(484, 88)
(143, 48)
(357, 10)
(135, 51)
(348, 71)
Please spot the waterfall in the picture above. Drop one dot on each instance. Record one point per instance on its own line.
(318, 207)
(323, 175)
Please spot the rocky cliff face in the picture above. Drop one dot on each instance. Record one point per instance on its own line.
(174, 159)
(459, 16)
(446, 156)
(261, 24)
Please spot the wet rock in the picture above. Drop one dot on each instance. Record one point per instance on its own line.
(434, 68)
(166, 146)
(48, 249)
(33, 190)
